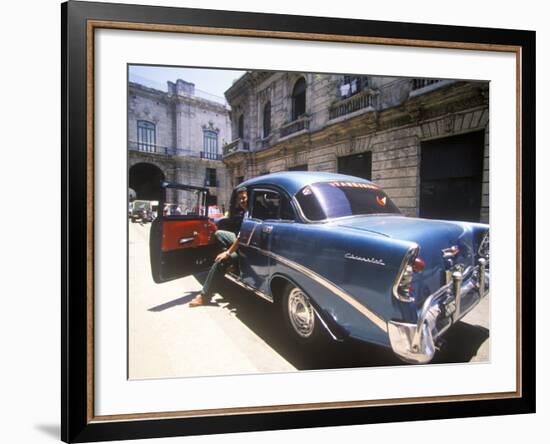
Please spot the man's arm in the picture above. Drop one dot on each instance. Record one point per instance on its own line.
(225, 254)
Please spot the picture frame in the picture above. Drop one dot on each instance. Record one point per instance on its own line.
(80, 20)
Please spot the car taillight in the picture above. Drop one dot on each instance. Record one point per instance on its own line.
(418, 265)
(412, 264)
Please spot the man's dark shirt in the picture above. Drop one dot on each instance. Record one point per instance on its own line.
(239, 216)
(234, 222)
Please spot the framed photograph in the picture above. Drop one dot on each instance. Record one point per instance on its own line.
(278, 221)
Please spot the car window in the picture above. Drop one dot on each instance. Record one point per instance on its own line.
(182, 202)
(287, 212)
(327, 200)
(269, 204)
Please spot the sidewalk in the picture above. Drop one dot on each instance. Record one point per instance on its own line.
(169, 339)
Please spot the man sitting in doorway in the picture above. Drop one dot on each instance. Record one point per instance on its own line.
(230, 244)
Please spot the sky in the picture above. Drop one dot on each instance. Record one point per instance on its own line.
(209, 83)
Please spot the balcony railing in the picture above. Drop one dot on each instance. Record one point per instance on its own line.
(236, 146)
(210, 156)
(426, 86)
(161, 150)
(302, 123)
(171, 151)
(423, 83)
(263, 142)
(362, 100)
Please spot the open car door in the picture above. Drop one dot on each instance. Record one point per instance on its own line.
(182, 240)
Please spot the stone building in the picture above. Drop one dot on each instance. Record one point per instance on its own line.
(425, 141)
(178, 137)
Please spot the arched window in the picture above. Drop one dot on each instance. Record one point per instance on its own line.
(210, 144)
(299, 99)
(267, 119)
(241, 127)
(146, 136)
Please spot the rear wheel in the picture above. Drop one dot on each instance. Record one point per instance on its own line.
(299, 315)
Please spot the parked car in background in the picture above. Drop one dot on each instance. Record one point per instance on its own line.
(337, 258)
(155, 208)
(141, 211)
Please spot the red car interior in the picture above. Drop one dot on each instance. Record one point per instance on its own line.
(178, 234)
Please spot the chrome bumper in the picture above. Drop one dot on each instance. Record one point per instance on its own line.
(416, 343)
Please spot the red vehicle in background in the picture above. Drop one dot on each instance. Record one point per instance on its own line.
(214, 212)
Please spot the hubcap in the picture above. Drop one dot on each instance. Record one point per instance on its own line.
(301, 314)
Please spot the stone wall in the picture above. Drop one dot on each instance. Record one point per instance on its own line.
(192, 116)
(180, 120)
(151, 106)
(393, 129)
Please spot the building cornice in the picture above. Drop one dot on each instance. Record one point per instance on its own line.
(455, 98)
(138, 88)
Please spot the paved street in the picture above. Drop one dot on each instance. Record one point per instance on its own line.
(240, 333)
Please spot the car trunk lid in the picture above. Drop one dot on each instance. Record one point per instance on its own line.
(443, 244)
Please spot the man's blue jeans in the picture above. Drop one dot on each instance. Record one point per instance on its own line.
(226, 239)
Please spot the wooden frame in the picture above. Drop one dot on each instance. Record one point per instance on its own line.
(79, 22)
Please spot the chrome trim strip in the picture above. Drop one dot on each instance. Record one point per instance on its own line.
(374, 318)
(449, 288)
(237, 281)
(457, 293)
(416, 342)
(482, 264)
(251, 234)
(333, 336)
(395, 289)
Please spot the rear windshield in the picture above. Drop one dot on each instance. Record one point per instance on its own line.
(327, 200)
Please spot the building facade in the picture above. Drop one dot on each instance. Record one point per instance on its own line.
(425, 141)
(176, 136)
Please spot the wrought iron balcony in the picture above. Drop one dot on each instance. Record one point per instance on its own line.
(171, 151)
(423, 83)
(425, 86)
(300, 124)
(263, 142)
(145, 147)
(210, 156)
(359, 101)
(236, 146)
(148, 148)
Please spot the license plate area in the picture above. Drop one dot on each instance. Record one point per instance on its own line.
(449, 307)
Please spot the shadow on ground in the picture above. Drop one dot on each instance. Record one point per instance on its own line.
(265, 320)
(461, 343)
(188, 297)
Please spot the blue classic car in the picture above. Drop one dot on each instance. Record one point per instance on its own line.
(335, 253)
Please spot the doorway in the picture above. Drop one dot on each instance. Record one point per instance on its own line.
(451, 172)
